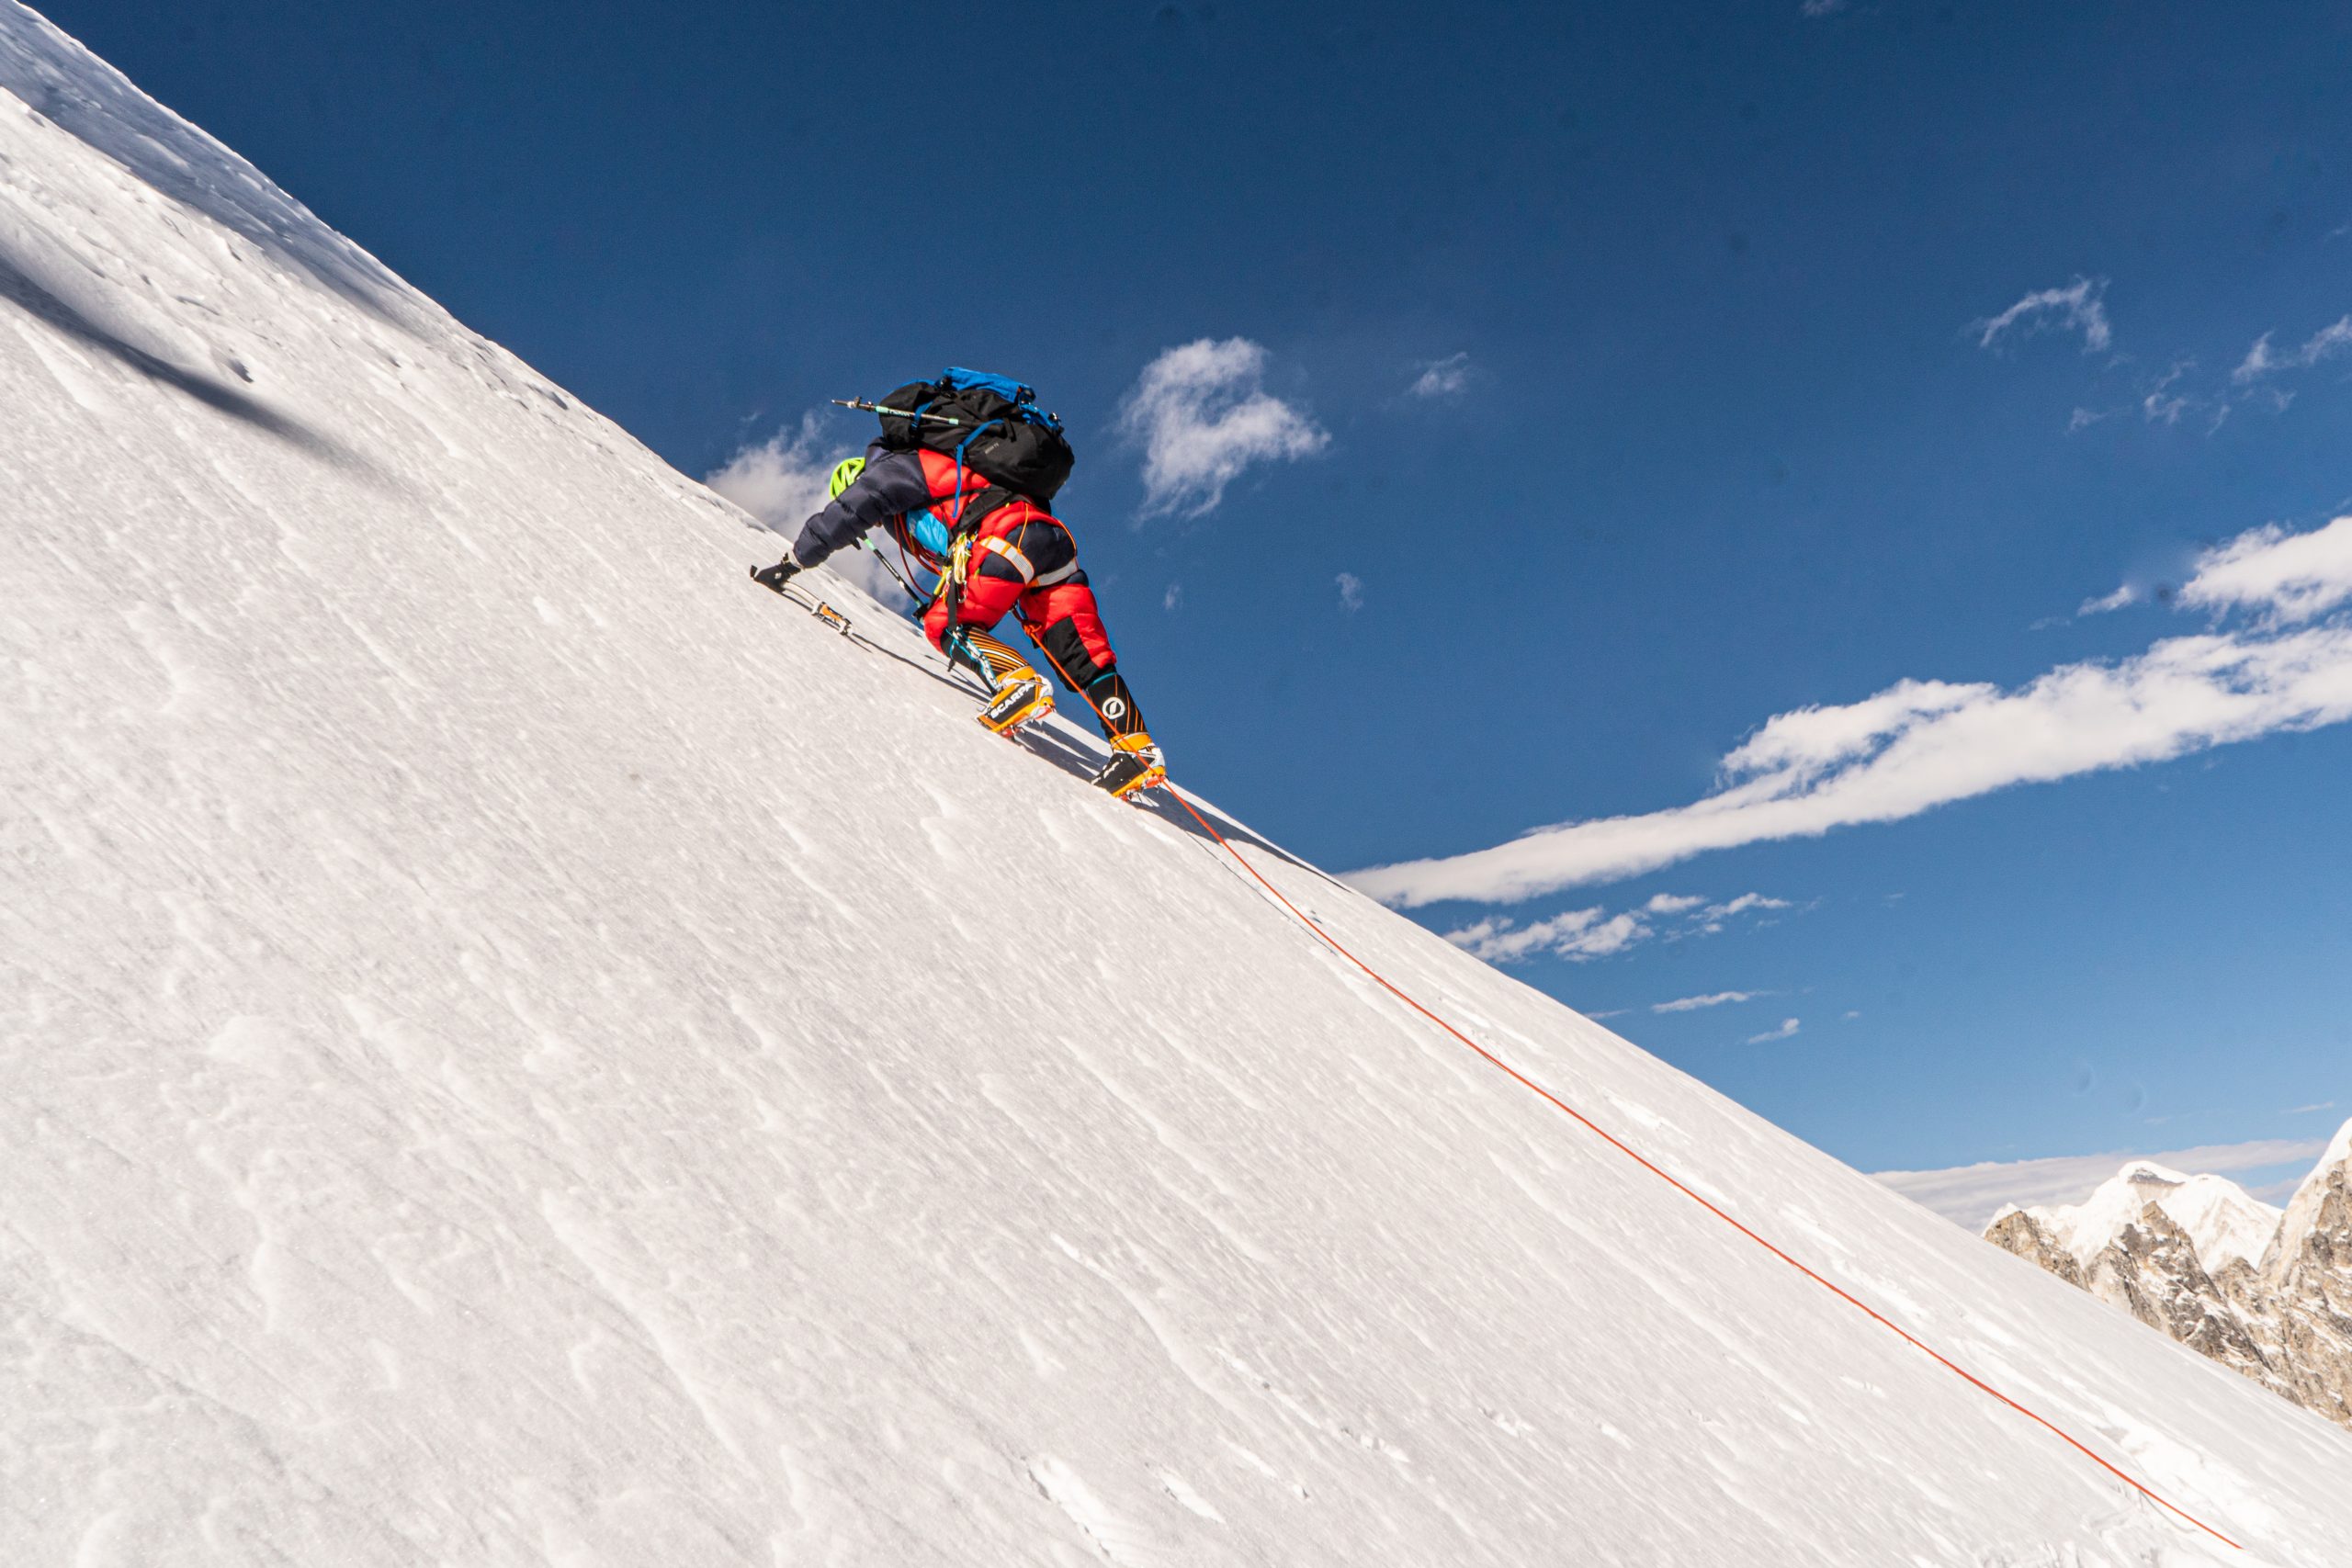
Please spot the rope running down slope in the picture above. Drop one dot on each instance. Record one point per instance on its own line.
(1638, 1158)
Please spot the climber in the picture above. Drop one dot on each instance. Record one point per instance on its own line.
(972, 514)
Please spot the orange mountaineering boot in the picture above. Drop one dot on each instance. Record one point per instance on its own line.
(1135, 765)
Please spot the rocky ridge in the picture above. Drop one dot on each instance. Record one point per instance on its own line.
(2149, 1241)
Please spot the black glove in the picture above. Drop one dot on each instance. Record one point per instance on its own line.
(773, 578)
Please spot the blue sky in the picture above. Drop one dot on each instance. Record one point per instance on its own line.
(1579, 390)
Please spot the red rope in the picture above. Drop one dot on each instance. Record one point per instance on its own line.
(1633, 1155)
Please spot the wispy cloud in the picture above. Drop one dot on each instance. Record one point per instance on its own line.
(781, 481)
(1579, 935)
(1447, 377)
(1921, 744)
(2309, 1109)
(1788, 1027)
(1174, 598)
(2262, 360)
(2163, 401)
(2078, 307)
(1351, 592)
(1718, 913)
(1824, 8)
(2108, 603)
(2164, 405)
(2171, 398)
(1202, 414)
(2286, 577)
(1576, 935)
(1971, 1195)
(1692, 1004)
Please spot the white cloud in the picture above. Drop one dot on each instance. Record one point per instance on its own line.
(1201, 415)
(2123, 598)
(781, 481)
(1741, 905)
(1447, 377)
(2309, 1109)
(1173, 598)
(2291, 576)
(2162, 405)
(1824, 8)
(1581, 934)
(1918, 745)
(2161, 402)
(1787, 1031)
(1577, 935)
(1351, 592)
(1971, 1195)
(2075, 307)
(2261, 360)
(2285, 577)
(2256, 364)
(1692, 1004)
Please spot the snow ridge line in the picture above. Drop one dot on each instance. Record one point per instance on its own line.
(1638, 1158)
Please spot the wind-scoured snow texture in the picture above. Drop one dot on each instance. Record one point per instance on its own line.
(2265, 1292)
(518, 1047)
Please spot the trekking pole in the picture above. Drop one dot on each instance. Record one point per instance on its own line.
(916, 594)
(959, 651)
(861, 404)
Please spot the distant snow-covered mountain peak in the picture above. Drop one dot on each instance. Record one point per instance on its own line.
(518, 1047)
(2223, 1221)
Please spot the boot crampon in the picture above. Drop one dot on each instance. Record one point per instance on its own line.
(1135, 765)
(1021, 698)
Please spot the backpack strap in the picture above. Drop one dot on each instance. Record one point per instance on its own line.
(975, 436)
(968, 526)
(981, 506)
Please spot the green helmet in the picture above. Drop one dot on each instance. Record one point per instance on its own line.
(846, 474)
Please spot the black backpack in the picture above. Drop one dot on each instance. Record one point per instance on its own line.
(988, 423)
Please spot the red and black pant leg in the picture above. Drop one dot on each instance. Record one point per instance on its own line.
(1063, 621)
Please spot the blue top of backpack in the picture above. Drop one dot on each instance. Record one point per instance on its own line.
(1022, 399)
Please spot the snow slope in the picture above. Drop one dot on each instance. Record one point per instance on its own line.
(517, 1048)
(2223, 1222)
